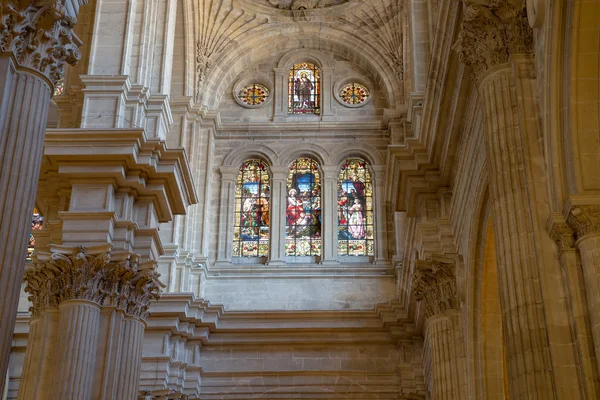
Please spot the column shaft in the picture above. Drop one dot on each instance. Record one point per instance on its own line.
(525, 329)
(73, 373)
(24, 99)
(130, 359)
(439, 338)
(589, 246)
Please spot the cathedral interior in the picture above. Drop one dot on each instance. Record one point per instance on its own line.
(299, 199)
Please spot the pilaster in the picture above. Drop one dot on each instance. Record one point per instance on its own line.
(278, 207)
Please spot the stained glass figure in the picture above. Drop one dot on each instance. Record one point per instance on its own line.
(59, 88)
(254, 95)
(355, 209)
(303, 209)
(304, 89)
(354, 94)
(252, 204)
(36, 225)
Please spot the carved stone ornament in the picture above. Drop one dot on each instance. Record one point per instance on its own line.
(585, 220)
(164, 394)
(492, 32)
(303, 4)
(560, 232)
(434, 285)
(40, 35)
(125, 284)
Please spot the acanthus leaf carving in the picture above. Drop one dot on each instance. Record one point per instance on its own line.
(124, 284)
(434, 285)
(584, 220)
(40, 35)
(491, 33)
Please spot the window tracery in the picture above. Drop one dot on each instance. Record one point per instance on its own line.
(304, 89)
(254, 94)
(303, 209)
(252, 206)
(355, 209)
(354, 94)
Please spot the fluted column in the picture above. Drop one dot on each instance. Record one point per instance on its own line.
(497, 42)
(78, 355)
(73, 370)
(36, 40)
(434, 287)
(585, 221)
(278, 206)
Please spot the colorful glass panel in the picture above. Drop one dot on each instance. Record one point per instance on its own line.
(59, 88)
(354, 94)
(254, 95)
(303, 209)
(36, 225)
(304, 89)
(355, 209)
(252, 204)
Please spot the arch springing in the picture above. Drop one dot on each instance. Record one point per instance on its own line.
(355, 209)
(252, 206)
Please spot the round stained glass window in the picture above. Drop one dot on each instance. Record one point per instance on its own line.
(354, 94)
(254, 95)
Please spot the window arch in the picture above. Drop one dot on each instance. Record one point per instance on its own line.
(303, 209)
(252, 205)
(355, 209)
(304, 89)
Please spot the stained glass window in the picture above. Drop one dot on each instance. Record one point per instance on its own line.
(355, 209)
(36, 225)
(303, 209)
(59, 88)
(354, 94)
(254, 95)
(252, 201)
(304, 89)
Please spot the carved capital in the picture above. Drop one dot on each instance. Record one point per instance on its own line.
(40, 35)
(434, 285)
(93, 276)
(491, 33)
(560, 232)
(585, 220)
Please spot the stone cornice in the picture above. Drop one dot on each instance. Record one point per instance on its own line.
(39, 34)
(491, 33)
(94, 275)
(434, 285)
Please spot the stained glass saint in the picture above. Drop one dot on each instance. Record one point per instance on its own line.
(355, 209)
(252, 205)
(304, 89)
(303, 209)
(36, 225)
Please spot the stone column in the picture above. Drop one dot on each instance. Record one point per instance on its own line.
(434, 287)
(497, 42)
(77, 283)
(330, 222)
(278, 207)
(37, 40)
(585, 220)
(573, 276)
(226, 214)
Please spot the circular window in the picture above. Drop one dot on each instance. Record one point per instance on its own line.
(354, 94)
(253, 95)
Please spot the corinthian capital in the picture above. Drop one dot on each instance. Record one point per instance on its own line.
(92, 275)
(39, 33)
(491, 32)
(434, 285)
(584, 219)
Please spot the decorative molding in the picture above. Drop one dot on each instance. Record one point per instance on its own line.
(298, 5)
(434, 285)
(40, 35)
(584, 219)
(491, 33)
(560, 232)
(92, 275)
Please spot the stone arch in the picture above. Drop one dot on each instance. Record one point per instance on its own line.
(236, 57)
(314, 151)
(236, 157)
(320, 59)
(364, 151)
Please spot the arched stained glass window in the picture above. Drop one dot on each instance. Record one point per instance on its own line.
(36, 225)
(304, 89)
(355, 209)
(303, 209)
(252, 204)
